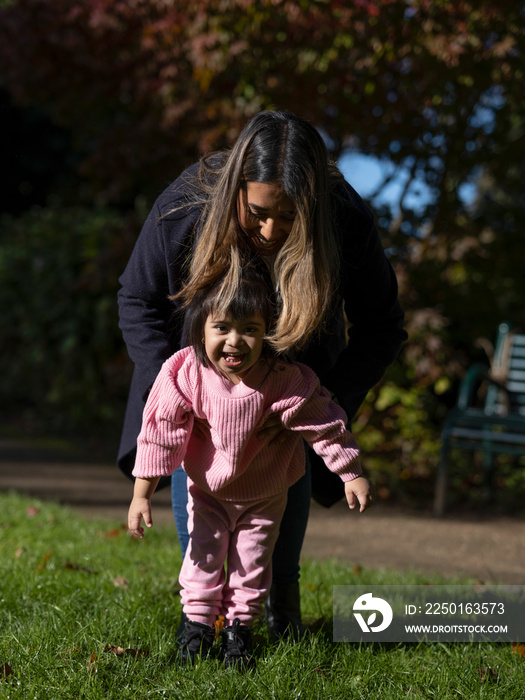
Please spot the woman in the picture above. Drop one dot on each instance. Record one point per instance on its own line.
(274, 194)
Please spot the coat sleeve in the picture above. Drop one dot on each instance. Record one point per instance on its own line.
(147, 318)
(166, 424)
(322, 423)
(370, 293)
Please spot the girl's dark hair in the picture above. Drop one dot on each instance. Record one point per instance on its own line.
(254, 297)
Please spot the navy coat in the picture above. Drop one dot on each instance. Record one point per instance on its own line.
(152, 331)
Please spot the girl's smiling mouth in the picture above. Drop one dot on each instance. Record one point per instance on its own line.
(233, 358)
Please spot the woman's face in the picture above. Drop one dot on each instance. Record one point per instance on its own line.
(266, 215)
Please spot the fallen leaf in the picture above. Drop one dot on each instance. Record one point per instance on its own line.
(115, 532)
(19, 552)
(72, 650)
(93, 663)
(487, 674)
(137, 652)
(111, 648)
(5, 672)
(519, 649)
(358, 569)
(121, 582)
(71, 566)
(218, 625)
(43, 562)
(120, 651)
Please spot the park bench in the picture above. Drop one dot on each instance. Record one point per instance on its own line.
(489, 415)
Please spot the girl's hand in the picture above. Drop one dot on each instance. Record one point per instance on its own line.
(359, 490)
(273, 429)
(139, 509)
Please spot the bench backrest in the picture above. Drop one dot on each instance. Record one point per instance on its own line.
(508, 368)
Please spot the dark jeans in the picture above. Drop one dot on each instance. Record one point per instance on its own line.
(287, 551)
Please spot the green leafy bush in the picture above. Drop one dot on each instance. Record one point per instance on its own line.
(63, 358)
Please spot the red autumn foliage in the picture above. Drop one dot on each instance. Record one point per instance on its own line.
(433, 89)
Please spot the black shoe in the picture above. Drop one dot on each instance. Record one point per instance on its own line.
(181, 627)
(283, 611)
(237, 646)
(197, 639)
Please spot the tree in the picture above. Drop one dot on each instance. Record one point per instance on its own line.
(147, 85)
(433, 87)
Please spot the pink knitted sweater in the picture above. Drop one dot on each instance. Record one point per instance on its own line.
(233, 463)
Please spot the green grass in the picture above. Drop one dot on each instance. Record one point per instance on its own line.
(71, 587)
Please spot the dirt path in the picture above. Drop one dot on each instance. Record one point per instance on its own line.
(490, 550)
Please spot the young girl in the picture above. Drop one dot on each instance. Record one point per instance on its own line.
(229, 381)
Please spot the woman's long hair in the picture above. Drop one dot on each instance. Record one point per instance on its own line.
(274, 147)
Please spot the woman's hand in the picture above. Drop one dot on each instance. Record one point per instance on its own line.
(273, 430)
(359, 491)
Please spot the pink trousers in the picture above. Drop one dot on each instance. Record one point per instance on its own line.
(227, 567)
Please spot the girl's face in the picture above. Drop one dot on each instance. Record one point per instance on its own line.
(266, 215)
(233, 346)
